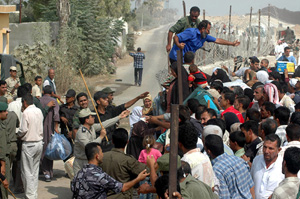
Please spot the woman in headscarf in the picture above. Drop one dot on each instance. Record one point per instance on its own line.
(172, 94)
(220, 74)
(141, 111)
(138, 127)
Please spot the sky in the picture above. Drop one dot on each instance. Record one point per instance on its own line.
(239, 7)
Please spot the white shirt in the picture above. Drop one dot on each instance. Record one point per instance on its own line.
(266, 179)
(16, 106)
(279, 49)
(200, 165)
(47, 83)
(290, 144)
(288, 102)
(31, 127)
(36, 91)
(282, 134)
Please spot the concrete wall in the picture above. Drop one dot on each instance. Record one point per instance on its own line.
(28, 33)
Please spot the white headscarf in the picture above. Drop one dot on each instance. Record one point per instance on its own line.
(262, 76)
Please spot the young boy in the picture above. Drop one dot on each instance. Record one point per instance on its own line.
(36, 89)
(196, 77)
(237, 143)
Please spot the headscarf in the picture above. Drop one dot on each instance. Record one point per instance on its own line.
(262, 76)
(221, 75)
(272, 93)
(147, 111)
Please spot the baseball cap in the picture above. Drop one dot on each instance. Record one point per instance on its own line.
(85, 112)
(100, 94)
(13, 68)
(107, 90)
(293, 81)
(71, 93)
(3, 106)
(163, 162)
(254, 59)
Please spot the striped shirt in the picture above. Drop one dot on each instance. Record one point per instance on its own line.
(234, 176)
(138, 59)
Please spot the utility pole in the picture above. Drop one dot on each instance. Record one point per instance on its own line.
(258, 37)
(229, 31)
(204, 43)
(269, 14)
(173, 150)
(184, 11)
(248, 43)
(20, 12)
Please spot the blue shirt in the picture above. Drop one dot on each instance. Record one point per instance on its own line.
(290, 58)
(193, 41)
(138, 59)
(234, 176)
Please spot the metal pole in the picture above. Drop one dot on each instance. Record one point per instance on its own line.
(179, 76)
(258, 37)
(229, 24)
(20, 12)
(184, 11)
(204, 43)
(269, 15)
(248, 43)
(173, 150)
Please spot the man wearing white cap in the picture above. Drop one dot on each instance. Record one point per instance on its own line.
(13, 81)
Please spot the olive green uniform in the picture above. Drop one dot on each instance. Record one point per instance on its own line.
(184, 23)
(192, 188)
(4, 156)
(122, 167)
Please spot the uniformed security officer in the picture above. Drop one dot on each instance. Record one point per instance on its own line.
(121, 166)
(86, 134)
(4, 152)
(13, 81)
(191, 21)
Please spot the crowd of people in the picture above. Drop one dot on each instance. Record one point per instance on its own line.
(239, 130)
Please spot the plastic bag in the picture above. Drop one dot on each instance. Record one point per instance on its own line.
(59, 148)
(69, 167)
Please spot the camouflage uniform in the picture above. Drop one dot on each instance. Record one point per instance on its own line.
(92, 182)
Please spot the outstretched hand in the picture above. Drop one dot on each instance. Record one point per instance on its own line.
(143, 95)
(124, 114)
(143, 175)
(236, 43)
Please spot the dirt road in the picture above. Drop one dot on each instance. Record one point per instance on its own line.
(153, 43)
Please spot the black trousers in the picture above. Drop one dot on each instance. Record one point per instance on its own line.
(138, 73)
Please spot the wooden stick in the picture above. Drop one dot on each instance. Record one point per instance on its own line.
(69, 132)
(92, 102)
(9, 190)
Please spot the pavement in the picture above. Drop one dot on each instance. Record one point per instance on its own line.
(153, 43)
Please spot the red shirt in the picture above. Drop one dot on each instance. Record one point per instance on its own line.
(198, 78)
(236, 112)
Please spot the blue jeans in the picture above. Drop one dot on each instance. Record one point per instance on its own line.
(138, 73)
